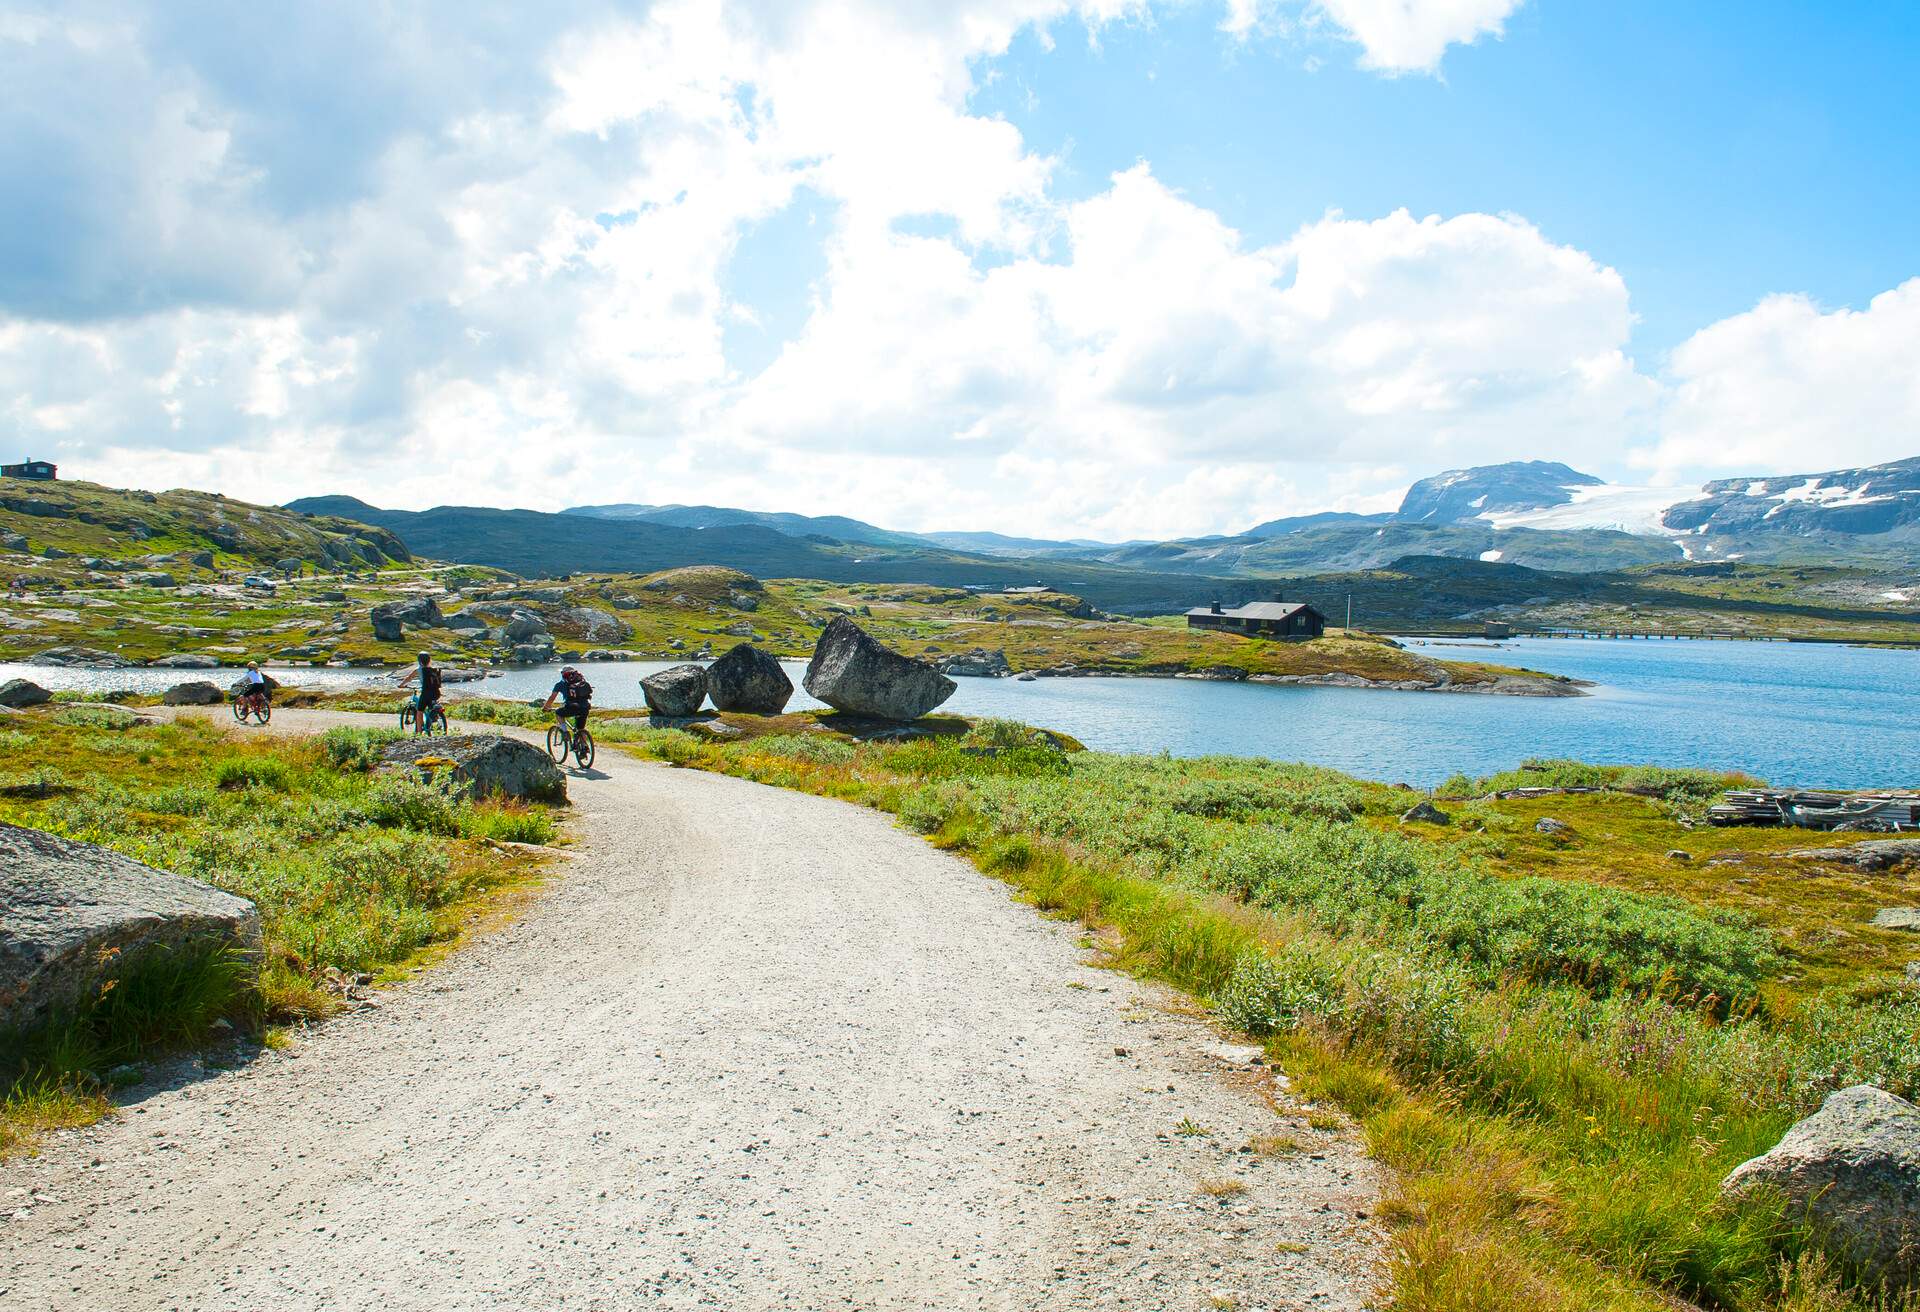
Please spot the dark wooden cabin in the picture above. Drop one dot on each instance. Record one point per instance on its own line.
(1261, 619)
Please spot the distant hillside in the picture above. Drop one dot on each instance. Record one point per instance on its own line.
(68, 528)
(837, 527)
(538, 543)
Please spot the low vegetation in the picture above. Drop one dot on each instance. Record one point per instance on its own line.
(1561, 1066)
(355, 873)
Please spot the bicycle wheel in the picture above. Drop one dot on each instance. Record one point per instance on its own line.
(557, 744)
(263, 712)
(406, 718)
(239, 710)
(437, 722)
(583, 749)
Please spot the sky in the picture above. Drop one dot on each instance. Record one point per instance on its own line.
(1092, 268)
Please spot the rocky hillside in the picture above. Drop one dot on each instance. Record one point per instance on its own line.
(74, 532)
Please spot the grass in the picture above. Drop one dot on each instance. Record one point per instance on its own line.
(1559, 1065)
(352, 872)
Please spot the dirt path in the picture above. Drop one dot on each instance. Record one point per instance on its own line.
(754, 1049)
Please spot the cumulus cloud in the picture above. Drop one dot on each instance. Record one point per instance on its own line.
(1791, 388)
(1411, 36)
(351, 255)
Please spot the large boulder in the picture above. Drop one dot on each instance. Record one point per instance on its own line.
(187, 660)
(525, 626)
(748, 679)
(78, 916)
(197, 693)
(851, 672)
(387, 628)
(158, 579)
(591, 625)
(87, 658)
(675, 692)
(530, 653)
(464, 621)
(23, 692)
(1853, 1169)
(420, 612)
(482, 765)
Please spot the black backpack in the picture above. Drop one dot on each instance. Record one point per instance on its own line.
(580, 692)
(430, 681)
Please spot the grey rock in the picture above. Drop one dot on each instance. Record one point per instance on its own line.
(1913, 972)
(675, 692)
(13, 541)
(744, 601)
(420, 612)
(85, 658)
(1873, 855)
(158, 579)
(592, 625)
(1676, 854)
(196, 693)
(1546, 824)
(1853, 1168)
(290, 564)
(676, 644)
(484, 766)
(202, 559)
(739, 629)
(1426, 813)
(530, 653)
(16, 693)
(1897, 918)
(330, 594)
(525, 626)
(980, 663)
(749, 679)
(549, 595)
(463, 621)
(55, 553)
(851, 672)
(388, 628)
(187, 660)
(77, 916)
(1025, 676)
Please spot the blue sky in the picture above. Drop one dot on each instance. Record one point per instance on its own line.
(1079, 267)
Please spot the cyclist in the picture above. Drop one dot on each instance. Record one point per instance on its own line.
(429, 695)
(576, 696)
(255, 684)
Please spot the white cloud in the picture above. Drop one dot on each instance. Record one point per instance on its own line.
(1411, 36)
(1790, 388)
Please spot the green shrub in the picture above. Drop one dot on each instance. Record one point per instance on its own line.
(507, 823)
(515, 714)
(820, 748)
(97, 717)
(267, 772)
(349, 748)
(404, 801)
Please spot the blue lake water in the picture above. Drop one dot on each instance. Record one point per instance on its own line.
(1790, 713)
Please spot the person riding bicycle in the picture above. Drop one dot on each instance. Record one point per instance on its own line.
(576, 696)
(429, 695)
(255, 683)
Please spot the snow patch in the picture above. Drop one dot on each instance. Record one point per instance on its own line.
(1602, 506)
(1895, 594)
(1491, 555)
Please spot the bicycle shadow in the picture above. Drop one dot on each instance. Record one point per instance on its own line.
(576, 772)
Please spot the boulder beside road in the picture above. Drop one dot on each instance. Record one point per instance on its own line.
(196, 693)
(852, 672)
(483, 765)
(77, 915)
(1853, 1168)
(750, 680)
(675, 692)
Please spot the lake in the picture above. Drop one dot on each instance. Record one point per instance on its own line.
(1812, 715)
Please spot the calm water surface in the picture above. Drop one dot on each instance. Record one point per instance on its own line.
(1790, 713)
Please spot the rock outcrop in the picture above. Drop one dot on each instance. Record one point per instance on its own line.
(387, 628)
(23, 692)
(980, 663)
(79, 915)
(675, 692)
(591, 625)
(1853, 1168)
(1872, 856)
(186, 661)
(851, 672)
(197, 693)
(749, 679)
(419, 612)
(1425, 813)
(482, 765)
(85, 658)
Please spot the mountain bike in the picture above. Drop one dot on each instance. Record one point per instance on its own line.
(410, 721)
(253, 704)
(563, 740)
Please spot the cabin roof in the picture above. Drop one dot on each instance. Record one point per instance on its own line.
(1256, 610)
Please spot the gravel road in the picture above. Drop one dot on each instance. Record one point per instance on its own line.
(752, 1049)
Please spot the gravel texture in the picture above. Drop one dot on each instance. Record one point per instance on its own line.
(752, 1049)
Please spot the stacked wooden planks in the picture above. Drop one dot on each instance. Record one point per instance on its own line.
(1877, 812)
